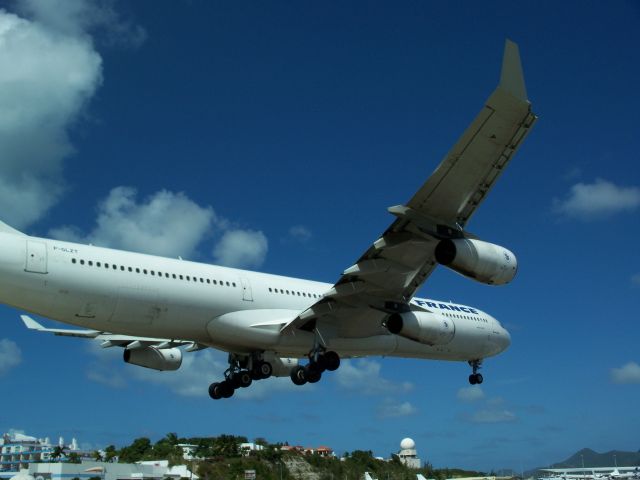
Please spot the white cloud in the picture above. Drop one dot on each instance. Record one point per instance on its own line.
(300, 233)
(390, 409)
(629, 373)
(166, 223)
(241, 248)
(49, 70)
(363, 376)
(76, 17)
(46, 78)
(597, 200)
(10, 355)
(471, 393)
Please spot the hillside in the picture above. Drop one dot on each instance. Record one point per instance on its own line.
(595, 459)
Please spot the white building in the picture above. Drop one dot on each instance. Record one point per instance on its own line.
(408, 455)
(18, 451)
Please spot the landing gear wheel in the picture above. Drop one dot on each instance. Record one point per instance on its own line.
(244, 379)
(298, 376)
(332, 361)
(472, 379)
(226, 389)
(479, 378)
(312, 373)
(214, 391)
(255, 374)
(320, 363)
(264, 369)
(234, 380)
(475, 379)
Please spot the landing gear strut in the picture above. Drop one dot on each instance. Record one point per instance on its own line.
(475, 378)
(241, 373)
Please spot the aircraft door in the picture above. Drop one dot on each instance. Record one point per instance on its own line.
(247, 294)
(36, 257)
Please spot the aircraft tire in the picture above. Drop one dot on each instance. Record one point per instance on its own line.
(226, 389)
(214, 391)
(479, 378)
(298, 375)
(332, 361)
(472, 379)
(265, 369)
(313, 373)
(245, 379)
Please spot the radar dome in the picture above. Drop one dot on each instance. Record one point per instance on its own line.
(407, 444)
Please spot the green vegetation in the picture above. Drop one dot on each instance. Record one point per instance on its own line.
(220, 458)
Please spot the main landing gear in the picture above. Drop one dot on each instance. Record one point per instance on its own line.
(475, 378)
(241, 373)
(319, 362)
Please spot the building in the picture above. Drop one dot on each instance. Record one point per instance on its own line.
(18, 451)
(152, 470)
(408, 455)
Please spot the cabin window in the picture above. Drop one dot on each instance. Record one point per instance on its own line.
(234, 284)
(152, 273)
(73, 260)
(144, 270)
(115, 267)
(130, 269)
(98, 264)
(122, 268)
(90, 263)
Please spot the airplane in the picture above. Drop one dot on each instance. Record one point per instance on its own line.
(155, 308)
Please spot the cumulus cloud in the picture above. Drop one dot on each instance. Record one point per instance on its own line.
(49, 71)
(77, 17)
(166, 223)
(629, 373)
(390, 409)
(471, 393)
(46, 78)
(597, 200)
(10, 355)
(241, 248)
(363, 376)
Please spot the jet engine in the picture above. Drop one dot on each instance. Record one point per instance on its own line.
(423, 327)
(481, 261)
(155, 358)
(282, 366)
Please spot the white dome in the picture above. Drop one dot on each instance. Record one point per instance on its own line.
(407, 444)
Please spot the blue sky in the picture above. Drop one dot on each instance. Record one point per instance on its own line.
(274, 135)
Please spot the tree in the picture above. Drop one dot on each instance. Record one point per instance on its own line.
(110, 453)
(97, 456)
(57, 453)
(73, 457)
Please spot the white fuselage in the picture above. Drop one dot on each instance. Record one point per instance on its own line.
(234, 310)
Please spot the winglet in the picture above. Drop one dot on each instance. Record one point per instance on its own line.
(511, 77)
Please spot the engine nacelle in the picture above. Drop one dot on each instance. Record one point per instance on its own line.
(155, 358)
(481, 261)
(423, 327)
(282, 366)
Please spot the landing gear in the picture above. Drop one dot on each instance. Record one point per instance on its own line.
(319, 362)
(475, 378)
(241, 373)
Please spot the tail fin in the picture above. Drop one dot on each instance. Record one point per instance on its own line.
(4, 228)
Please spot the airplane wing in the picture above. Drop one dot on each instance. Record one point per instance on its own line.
(113, 340)
(390, 272)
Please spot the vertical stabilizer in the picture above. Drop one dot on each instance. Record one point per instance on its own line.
(511, 77)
